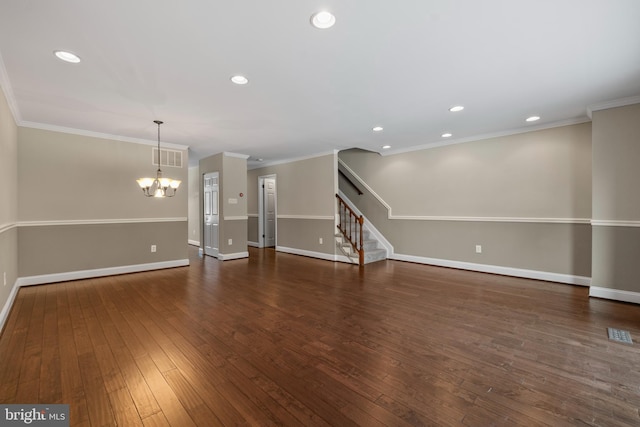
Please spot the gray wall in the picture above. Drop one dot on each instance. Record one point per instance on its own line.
(58, 249)
(8, 205)
(233, 216)
(78, 201)
(306, 203)
(616, 199)
(526, 199)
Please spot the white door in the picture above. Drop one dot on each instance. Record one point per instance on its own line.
(211, 214)
(269, 198)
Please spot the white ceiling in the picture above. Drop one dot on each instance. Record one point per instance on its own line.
(397, 64)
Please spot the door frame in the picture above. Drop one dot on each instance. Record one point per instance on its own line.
(204, 221)
(261, 213)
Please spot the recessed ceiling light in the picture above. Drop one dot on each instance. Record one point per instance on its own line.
(533, 118)
(240, 80)
(378, 129)
(323, 20)
(456, 108)
(446, 135)
(386, 147)
(67, 56)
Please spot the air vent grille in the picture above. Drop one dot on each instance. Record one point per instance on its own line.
(170, 158)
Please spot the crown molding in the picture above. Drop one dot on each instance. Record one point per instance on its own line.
(293, 159)
(8, 92)
(236, 155)
(622, 102)
(480, 137)
(82, 132)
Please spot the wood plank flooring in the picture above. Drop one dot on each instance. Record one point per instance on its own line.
(279, 339)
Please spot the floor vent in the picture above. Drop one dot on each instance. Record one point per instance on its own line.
(619, 335)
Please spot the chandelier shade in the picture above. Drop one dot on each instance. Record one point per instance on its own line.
(159, 187)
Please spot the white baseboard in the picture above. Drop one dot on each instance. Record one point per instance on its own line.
(99, 272)
(614, 294)
(345, 259)
(496, 269)
(193, 242)
(312, 254)
(253, 244)
(237, 255)
(4, 314)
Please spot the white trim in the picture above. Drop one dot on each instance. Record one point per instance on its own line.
(484, 136)
(292, 160)
(99, 272)
(495, 269)
(235, 218)
(92, 134)
(193, 242)
(369, 189)
(237, 255)
(7, 227)
(4, 314)
(495, 219)
(622, 102)
(345, 259)
(261, 213)
(236, 155)
(312, 254)
(8, 93)
(390, 214)
(320, 217)
(614, 223)
(252, 215)
(253, 244)
(614, 294)
(98, 221)
(368, 225)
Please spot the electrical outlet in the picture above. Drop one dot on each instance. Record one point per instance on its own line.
(478, 249)
(5, 278)
(320, 240)
(153, 248)
(230, 242)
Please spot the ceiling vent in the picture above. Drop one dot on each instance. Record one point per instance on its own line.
(170, 158)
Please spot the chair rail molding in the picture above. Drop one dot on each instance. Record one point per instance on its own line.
(391, 216)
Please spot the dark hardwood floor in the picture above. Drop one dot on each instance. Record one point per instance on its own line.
(280, 339)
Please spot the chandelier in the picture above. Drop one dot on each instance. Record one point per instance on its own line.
(159, 186)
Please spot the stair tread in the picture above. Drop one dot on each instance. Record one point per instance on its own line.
(372, 250)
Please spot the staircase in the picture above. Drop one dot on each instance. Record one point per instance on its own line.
(372, 250)
(359, 249)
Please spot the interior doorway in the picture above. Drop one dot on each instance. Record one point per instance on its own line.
(267, 211)
(211, 214)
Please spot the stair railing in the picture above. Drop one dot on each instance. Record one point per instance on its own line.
(350, 225)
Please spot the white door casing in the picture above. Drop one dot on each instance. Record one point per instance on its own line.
(267, 211)
(211, 214)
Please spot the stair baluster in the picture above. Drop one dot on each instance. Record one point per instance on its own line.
(348, 219)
